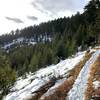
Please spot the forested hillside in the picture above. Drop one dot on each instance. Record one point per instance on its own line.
(47, 43)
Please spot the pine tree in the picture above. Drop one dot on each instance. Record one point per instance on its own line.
(97, 26)
(81, 35)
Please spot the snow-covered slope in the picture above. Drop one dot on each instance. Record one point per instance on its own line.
(41, 82)
(24, 88)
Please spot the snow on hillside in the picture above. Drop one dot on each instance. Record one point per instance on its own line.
(8, 45)
(80, 85)
(23, 88)
(30, 41)
(23, 40)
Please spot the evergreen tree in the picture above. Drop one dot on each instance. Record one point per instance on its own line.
(7, 76)
(97, 26)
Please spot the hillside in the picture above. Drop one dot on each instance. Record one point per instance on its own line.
(76, 78)
(54, 60)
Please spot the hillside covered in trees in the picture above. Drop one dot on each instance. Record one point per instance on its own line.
(53, 41)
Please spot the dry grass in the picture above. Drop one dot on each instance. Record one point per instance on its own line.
(42, 90)
(97, 48)
(94, 75)
(60, 92)
(96, 94)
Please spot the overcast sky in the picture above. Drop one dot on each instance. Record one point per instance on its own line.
(22, 13)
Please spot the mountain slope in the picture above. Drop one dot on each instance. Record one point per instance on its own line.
(24, 87)
(68, 80)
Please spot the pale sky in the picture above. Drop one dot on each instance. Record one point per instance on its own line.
(22, 13)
